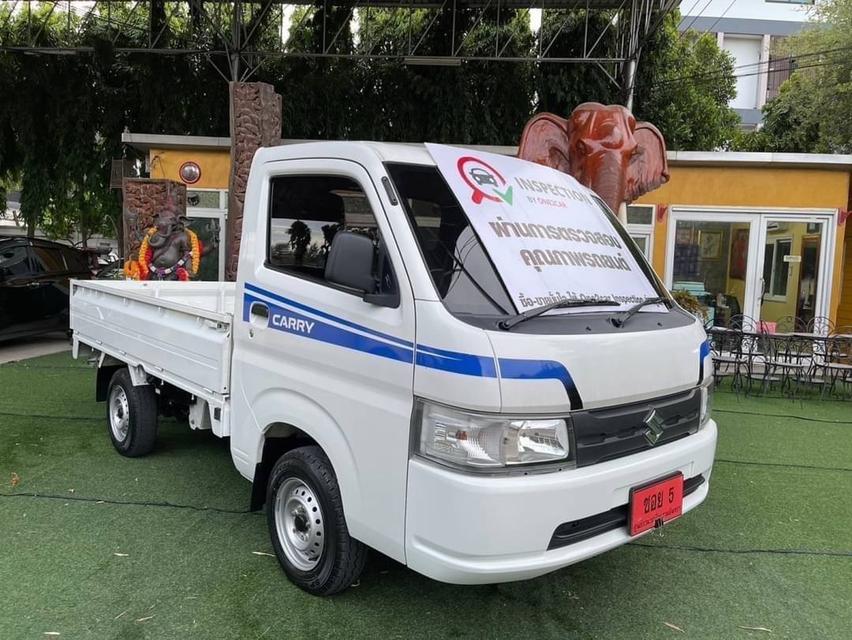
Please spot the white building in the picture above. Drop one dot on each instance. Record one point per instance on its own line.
(749, 29)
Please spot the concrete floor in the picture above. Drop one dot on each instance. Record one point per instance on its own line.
(23, 348)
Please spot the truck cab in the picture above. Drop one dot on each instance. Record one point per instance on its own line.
(391, 387)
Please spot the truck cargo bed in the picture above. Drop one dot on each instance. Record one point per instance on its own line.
(179, 332)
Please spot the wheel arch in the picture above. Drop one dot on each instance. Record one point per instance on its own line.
(288, 420)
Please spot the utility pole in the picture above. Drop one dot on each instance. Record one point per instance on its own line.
(236, 40)
(629, 80)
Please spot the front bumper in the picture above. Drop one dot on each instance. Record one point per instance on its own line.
(473, 529)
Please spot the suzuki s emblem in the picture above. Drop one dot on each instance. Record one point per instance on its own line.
(655, 427)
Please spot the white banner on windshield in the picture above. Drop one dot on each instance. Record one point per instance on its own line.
(547, 237)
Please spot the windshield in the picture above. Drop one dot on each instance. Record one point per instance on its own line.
(464, 273)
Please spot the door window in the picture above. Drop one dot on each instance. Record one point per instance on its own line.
(306, 212)
(13, 262)
(49, 260)
(775, 271)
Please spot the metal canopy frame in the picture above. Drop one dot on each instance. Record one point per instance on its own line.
(234, 25)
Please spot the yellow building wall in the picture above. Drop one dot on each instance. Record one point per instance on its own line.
(215, 166)
(844, 310)
(759, 188)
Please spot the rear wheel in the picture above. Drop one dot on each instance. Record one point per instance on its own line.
(306, 523)
(131, 415)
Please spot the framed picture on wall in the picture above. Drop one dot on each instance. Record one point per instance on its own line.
(683, 235)
(711, 245)
(739, 254)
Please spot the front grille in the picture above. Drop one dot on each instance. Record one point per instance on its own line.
(605, 434)
(591, 526)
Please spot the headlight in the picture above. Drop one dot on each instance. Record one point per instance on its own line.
(706, 401)
(483, 441)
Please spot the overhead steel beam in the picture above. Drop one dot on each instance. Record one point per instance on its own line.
(234, 27)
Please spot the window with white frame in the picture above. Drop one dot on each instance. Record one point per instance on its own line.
(206, 211)
(775, 267)
(640, 226)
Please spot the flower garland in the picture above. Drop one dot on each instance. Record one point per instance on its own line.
(196, 251)
(141, 268)
(131, 270)
(144, 256)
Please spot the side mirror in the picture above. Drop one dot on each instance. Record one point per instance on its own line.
(351, 263)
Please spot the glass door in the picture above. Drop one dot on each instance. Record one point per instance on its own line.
(713, 257)
(791, 284)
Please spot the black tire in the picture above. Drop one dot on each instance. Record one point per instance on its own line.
(341, 558)
(138, 409)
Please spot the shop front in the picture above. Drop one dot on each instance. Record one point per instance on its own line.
(755, 235)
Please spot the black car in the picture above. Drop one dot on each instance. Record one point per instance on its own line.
(34, 286)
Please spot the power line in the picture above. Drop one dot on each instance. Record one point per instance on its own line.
(694, 18)
(721, 75)
(724, 13)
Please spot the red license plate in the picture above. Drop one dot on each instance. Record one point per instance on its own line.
(655, 504)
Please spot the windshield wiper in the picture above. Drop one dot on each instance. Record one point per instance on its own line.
(508, 323)
(620, 321)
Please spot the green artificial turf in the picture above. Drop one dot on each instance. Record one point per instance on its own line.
(770, 548)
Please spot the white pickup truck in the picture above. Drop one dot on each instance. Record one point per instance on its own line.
(455, 358)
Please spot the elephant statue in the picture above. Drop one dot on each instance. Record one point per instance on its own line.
(603, 147)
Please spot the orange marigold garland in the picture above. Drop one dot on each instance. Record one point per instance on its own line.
(145, 252)
(141, 269)
(196, 251)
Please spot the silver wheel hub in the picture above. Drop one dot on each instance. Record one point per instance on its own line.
(119, 413)
(299, 524)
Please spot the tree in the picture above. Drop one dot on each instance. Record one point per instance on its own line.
(813, 110)
(61, 117)
(684, 85)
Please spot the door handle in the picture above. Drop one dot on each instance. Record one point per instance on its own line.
(259, 311)
(33, 285)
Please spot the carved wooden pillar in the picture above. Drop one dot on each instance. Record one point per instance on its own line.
(255, 123)
(143, 199)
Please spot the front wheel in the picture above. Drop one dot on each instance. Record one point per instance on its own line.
(304, 512)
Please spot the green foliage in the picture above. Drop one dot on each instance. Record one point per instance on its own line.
(689, 302)
(684, 86)
(813, 111)
(61, 117)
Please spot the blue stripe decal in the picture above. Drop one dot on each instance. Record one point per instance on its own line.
(328, 316)
(703, 352)
(454, 362)
(295, 323)
(290, 321)
(541, 370)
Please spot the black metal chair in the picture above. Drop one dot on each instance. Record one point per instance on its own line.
(726, 348)
(788, 361)
(791, 324)
(837, 365)
(821, 326)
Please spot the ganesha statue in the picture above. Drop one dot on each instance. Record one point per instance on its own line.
(169, 250)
